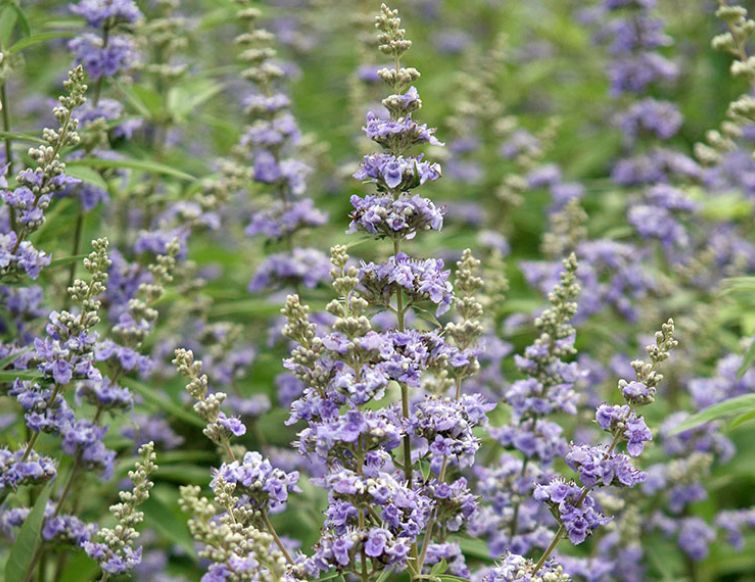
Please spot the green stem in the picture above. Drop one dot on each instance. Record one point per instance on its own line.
(549, 550)
(6, 128)
(271, 530)
(8, 145)
(77, 235)
(561, 530)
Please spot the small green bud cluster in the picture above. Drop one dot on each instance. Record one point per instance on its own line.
(207, 406)
(232, 534)
(117, 544)
(515, 183)
(141, 307)
(392, 41)
(166, 33)
(350, 307)
(567, 229)
(646, 371)
(496, 283)
(308, 348)
(256, 48)
(46, 157)
(466, 332)
(86, 293)
(554, 323)
(741, 111)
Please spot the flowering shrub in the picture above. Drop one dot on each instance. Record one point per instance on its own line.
(244, 340)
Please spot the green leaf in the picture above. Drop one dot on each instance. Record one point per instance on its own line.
(62, 261)
(742, 419)
(8, 360)
(8, 18)
(183, 101)
(87, 175)
(439, 568)
(738, 285)
(254, 307)
(142, 100)
(38, 38)
(161, 402)
(747, 360)
(726, 207)
(79, 567)
(23, 22)
(730, 407)
(474, 548)
(10, 375)
(131, 164)
(27, 541)
(21, 137)
(159, 516)
(184, 474)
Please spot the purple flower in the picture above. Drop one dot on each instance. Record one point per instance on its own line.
(267, 487)
(695, 537)
(16, 471)
(578, 511)
(120, 54)
(98, 12)
(402, 217)
(391, 172)
(308, 267)
(282, 220)
(420, 279)
(398, 133)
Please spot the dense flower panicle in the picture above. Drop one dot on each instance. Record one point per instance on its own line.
(17, 469)
(390, 172)
(83, 440)
(576, 506)
(446, 427)
(398, 134)
(110, 12)
(419, 279)
(102, 60)
(392, 387)
(402, 510)
(282, 220)
(271, 142)
(264, 487)
(115, 549)
(594, 466)
(621, 419)
(336, 437)
(401, 217)
(516, 568)
(658, 118)
(550, 379)
(37, 185)
(579, 513)
(732, 522)
(382, 357)
(305, 266)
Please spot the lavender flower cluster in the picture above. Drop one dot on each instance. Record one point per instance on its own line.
(400, 407)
